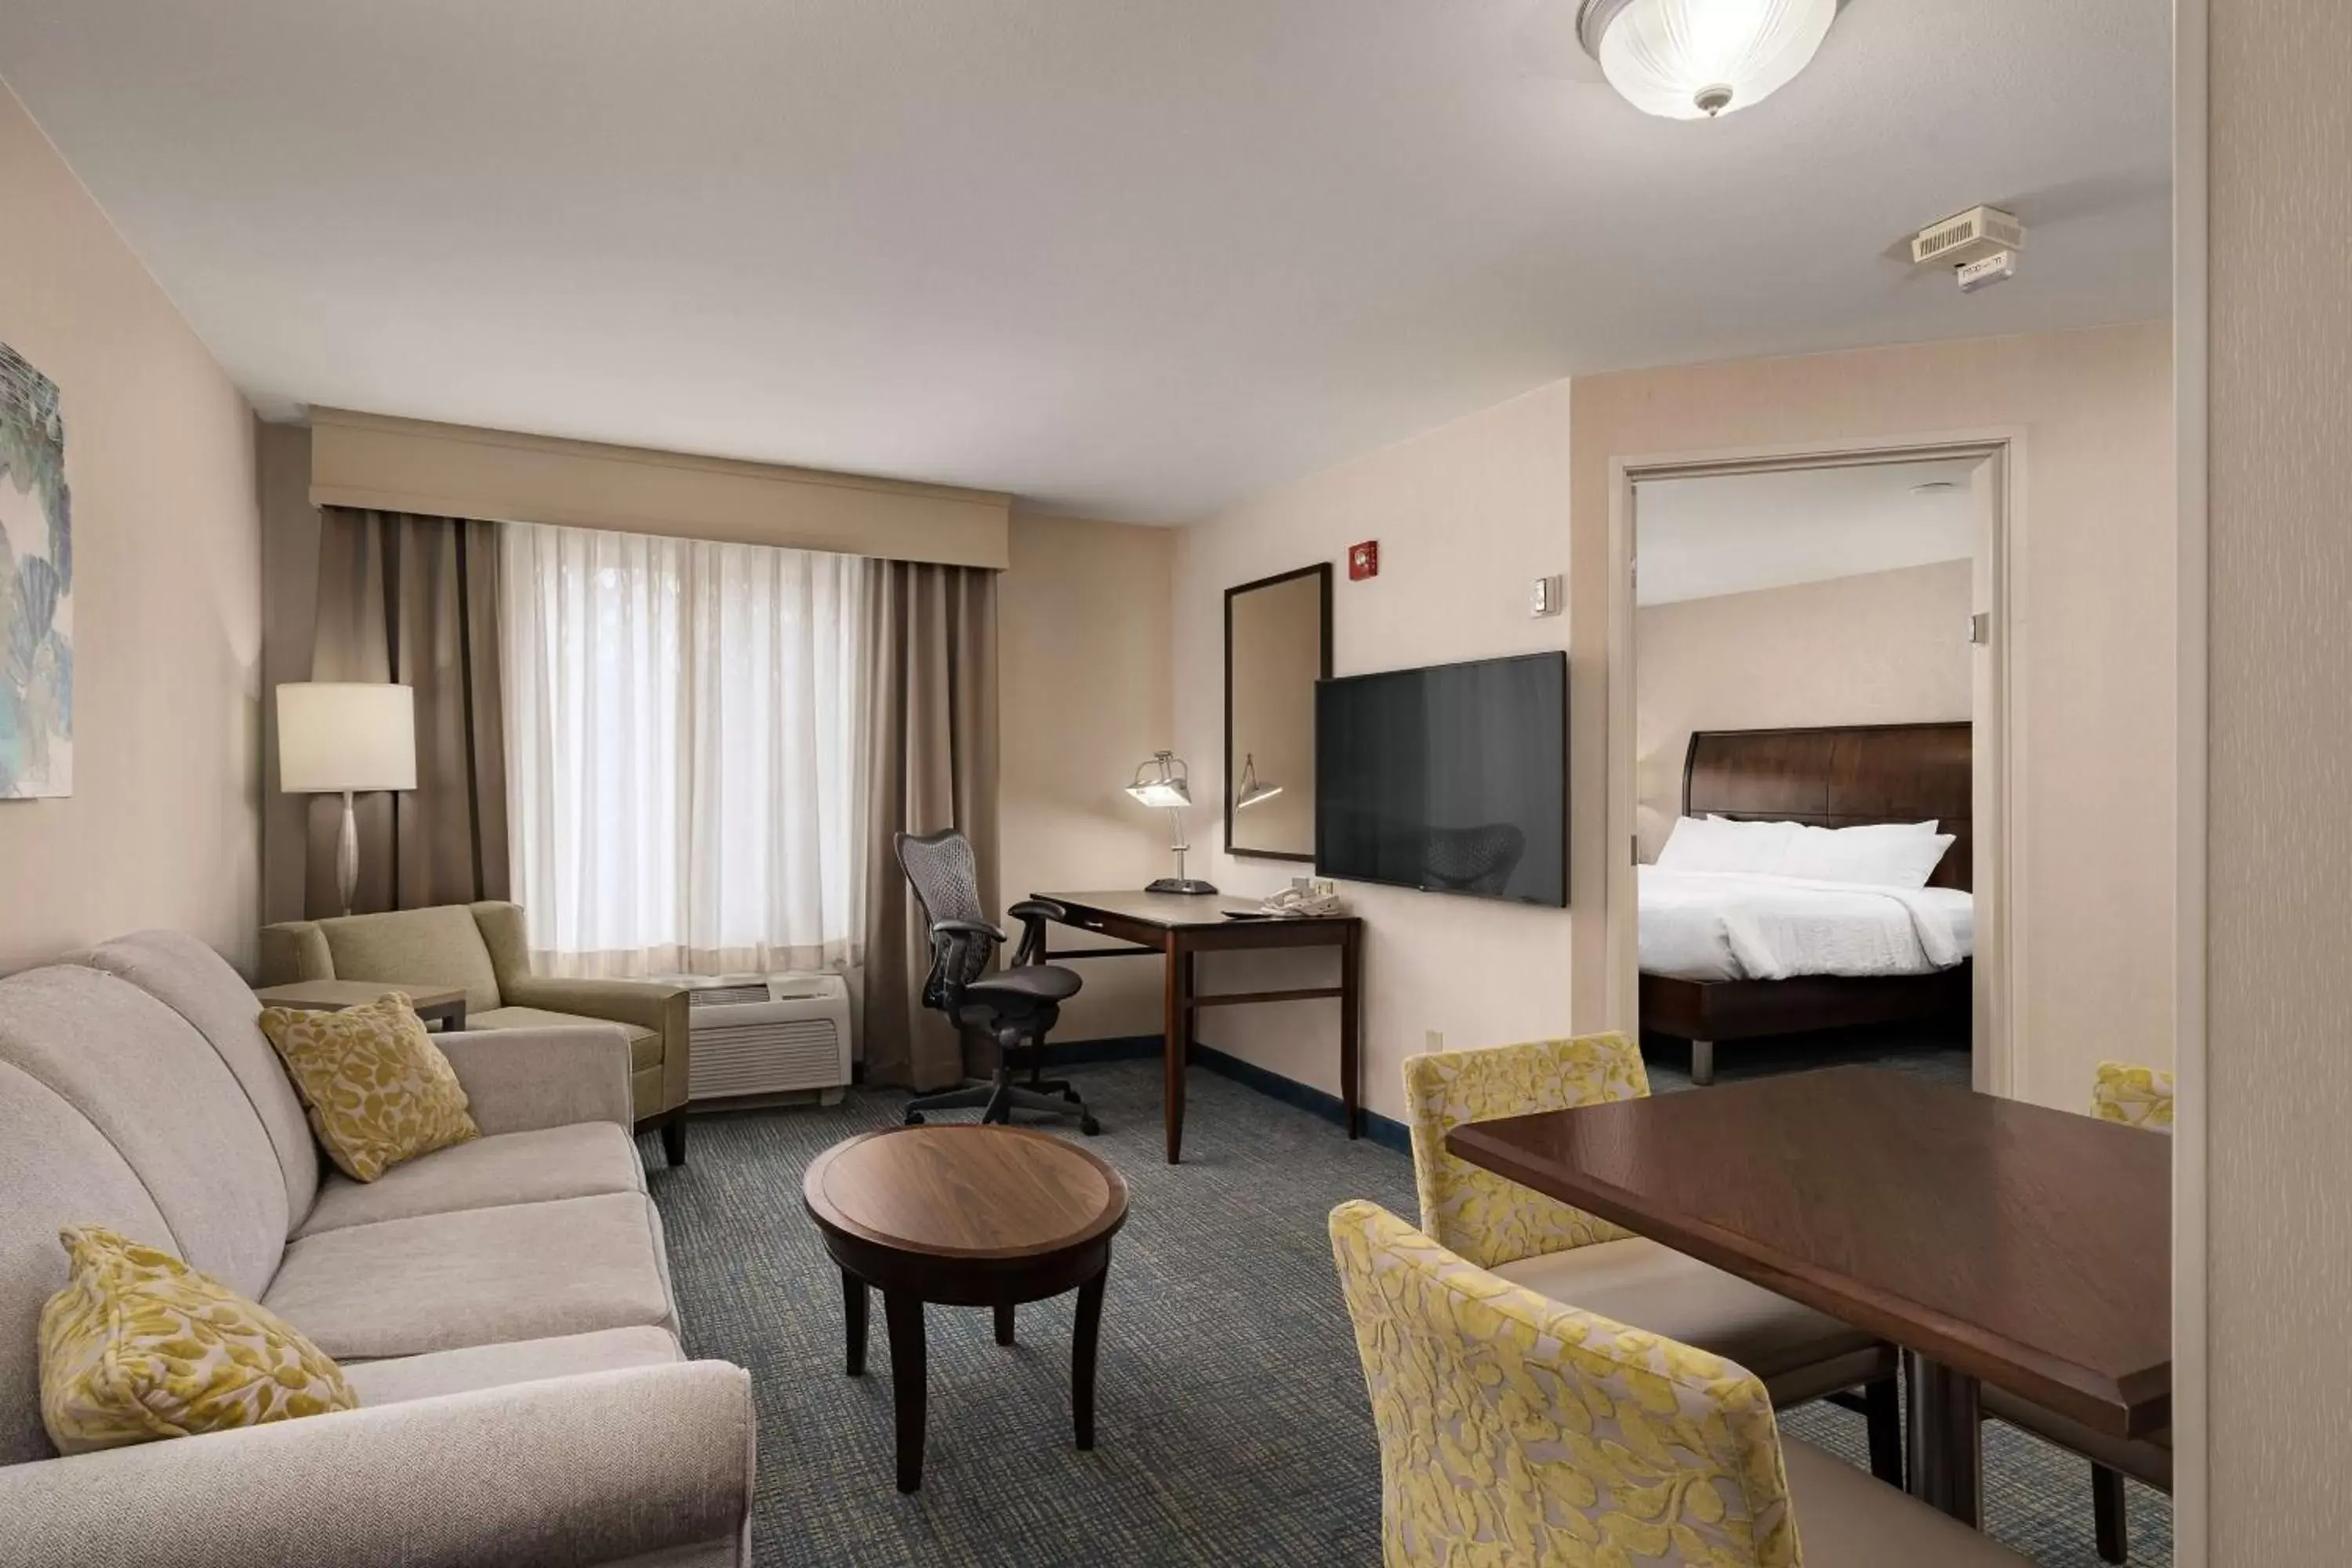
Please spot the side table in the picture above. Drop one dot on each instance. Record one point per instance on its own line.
(965, 1215)
(431, 1002)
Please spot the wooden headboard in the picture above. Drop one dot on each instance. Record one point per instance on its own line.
(1839, 777)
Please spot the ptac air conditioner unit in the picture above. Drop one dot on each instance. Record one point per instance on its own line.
(767, 1034)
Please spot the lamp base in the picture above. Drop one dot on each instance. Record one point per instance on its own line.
(347, 856)
(1192, 884)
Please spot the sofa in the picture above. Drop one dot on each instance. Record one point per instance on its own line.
(481, 949)
(502, 1306)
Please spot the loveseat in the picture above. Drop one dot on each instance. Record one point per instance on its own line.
(502, 1306)
(481, 949)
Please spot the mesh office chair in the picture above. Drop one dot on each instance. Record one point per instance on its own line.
(1016, 1005)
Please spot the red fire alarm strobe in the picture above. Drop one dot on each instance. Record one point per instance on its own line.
(1363, 560)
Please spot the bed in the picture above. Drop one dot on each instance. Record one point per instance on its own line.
(1845, 777)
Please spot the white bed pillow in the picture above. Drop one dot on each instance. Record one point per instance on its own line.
(1720, 844)
(1882, 854)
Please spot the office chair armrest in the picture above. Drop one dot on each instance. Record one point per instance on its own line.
(1033, 914)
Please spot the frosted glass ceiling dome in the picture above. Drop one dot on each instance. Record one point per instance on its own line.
(1691, 59)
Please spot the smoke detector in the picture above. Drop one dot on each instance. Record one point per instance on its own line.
(1980, 244)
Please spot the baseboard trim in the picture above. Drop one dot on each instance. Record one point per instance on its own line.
(1383, 1131)
(1378, 1128)
(1122, 1049)
(1146, 1047)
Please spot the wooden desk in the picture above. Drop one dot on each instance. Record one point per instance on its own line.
(444, 1004)
(1992, 1239)
(1182, 925)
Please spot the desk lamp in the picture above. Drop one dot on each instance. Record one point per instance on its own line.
(1165, 783)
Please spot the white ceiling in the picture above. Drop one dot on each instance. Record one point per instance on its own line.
(1733, 534)
(1119, 256)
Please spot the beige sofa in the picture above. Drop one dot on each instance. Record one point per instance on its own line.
(481, 949)
(503, 1307)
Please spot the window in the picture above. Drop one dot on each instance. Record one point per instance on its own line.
(686, 758)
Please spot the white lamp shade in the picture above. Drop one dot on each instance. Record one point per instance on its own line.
(1680, 58)
(333, 736)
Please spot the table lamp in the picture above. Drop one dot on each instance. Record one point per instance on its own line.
(1165, 783)
(341, 737)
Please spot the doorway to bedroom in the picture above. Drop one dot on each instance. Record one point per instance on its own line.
(1809, 694)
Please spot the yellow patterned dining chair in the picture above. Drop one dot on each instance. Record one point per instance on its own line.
(2139, 1096)
(1520, 1432)
(2134, 1096)
(1560, 1251)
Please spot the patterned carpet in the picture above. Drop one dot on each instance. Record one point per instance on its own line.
(1232, 1425)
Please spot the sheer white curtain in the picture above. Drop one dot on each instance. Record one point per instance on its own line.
(685, 755)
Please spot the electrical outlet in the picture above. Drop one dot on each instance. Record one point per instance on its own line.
(1433, 1041)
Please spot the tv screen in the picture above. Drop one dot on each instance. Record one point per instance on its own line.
(1453, 778)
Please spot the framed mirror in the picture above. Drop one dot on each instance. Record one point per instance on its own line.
(1277, 646)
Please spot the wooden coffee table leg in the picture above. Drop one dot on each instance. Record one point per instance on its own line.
(853, 1313)
(904, 1313)
(1082, 1356)
(1005, 1322)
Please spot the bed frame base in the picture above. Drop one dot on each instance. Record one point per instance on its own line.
(1708, 1012)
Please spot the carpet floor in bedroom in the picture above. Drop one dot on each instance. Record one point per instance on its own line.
(1233, 1428)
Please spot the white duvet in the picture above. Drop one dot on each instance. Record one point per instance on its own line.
(1721, 925)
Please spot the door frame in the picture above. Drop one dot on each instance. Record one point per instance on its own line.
(2192, 326)
(1996, 717)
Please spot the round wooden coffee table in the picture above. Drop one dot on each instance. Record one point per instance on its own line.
(965, 1215)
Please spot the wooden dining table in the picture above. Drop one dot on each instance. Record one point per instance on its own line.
(1995, 1242)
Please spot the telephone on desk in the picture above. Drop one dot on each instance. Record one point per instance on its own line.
(1305, 899)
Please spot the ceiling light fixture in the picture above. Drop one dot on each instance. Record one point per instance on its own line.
(1691, 59)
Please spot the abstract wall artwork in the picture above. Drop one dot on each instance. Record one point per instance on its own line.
(36, 588)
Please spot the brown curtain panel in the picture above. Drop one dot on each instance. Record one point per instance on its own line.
(415, 600)
(931, 764)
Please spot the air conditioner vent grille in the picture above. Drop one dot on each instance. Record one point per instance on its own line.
(757, 1058)
(767, 1033)
(1943, 239)
(728, 995)
(1967, 237)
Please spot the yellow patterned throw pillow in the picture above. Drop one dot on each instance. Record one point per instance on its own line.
(139, 1345)
(377, 1088)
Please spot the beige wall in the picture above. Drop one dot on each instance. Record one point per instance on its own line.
(2279, 840)
(1467, 515)
(1083, 650)
(2094, 594)
(1883, 647)
(161, 828)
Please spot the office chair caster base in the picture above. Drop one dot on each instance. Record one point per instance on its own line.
(1009, 1097)
(997, 1100)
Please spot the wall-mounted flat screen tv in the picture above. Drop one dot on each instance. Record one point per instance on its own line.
(1452, 778)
